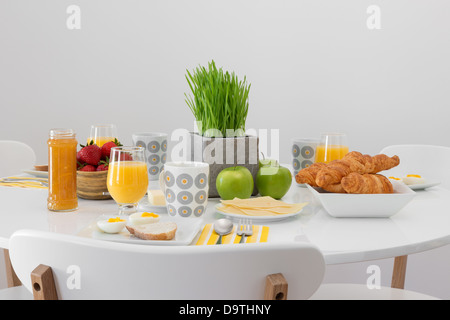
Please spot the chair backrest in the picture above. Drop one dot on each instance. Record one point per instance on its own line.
(429, 161)
(85, 268)
(16, 156)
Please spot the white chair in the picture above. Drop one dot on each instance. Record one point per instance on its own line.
(16, 156)
(57, 266)
(91, 269)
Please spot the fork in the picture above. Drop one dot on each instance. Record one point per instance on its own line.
(244, 229)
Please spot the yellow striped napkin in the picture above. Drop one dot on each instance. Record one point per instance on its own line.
(24, 184)
(209, 236)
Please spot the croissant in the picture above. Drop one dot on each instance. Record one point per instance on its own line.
(335, 188)
(354, 161)
(366, 183)
(308, 175)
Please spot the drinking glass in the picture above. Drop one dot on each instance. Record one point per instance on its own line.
(102, 133)
(127, 180)
(332, 146)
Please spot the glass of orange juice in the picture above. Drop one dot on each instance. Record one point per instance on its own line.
(332, 146)
(127, 180)
(102, 133)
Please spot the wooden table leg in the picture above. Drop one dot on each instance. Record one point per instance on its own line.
(399, 272)
(11, 277)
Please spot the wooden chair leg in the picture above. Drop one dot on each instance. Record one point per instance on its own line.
(276, 287)
(43, 283)
(399, 272)
(11, 277)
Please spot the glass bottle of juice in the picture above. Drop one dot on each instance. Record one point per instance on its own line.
(62, 170)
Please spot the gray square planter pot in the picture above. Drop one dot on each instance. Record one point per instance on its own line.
(221, 153)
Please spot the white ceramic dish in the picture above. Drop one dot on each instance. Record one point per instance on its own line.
(342, 205)
(256, 218)
(187, 229)
(36, 173)
(422, 186)
(145, 205)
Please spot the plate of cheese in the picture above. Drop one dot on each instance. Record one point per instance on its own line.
(259, 209)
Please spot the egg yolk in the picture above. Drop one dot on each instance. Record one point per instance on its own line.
(413, 176)
(149, 214)
(394, 178)
(115, 220)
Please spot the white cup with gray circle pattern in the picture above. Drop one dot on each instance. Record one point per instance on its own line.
(185, 186)
(303, 151)
(155, 145)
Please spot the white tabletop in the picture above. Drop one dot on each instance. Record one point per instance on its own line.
(422, 225)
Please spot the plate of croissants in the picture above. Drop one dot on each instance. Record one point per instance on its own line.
(354, 186)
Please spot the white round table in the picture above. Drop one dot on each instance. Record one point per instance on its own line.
(421, 225)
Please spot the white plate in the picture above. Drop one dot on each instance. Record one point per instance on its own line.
(256, 218)
(36, 173)
(187, 229)
(422, 186)
(343, 205)
(146, 206)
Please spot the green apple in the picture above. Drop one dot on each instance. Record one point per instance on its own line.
(235, 182)
(267, 162)
(273, 181)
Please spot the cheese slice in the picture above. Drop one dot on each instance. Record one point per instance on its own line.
(156, 198)
(259, 202)
(261, 206)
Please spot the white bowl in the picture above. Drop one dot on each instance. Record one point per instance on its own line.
(344, 205)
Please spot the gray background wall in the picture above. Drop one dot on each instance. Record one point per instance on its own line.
(314, 66)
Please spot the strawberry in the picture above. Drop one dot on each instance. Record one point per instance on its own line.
(102, 167)
(106, 148)
(89, 154)
(88, 168)
(79, 161)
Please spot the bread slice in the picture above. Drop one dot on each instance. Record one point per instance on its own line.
(154, 231)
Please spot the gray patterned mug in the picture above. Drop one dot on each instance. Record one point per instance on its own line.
(303, 152)
(185, 186)
(155, 145)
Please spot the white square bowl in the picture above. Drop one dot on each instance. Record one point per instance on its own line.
(344, 205)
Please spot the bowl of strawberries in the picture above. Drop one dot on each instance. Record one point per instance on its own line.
(92, 170)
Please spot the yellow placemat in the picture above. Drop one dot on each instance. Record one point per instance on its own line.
(208, 236)
(24, 184)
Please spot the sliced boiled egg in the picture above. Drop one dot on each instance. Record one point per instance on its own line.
(139, 218)
(395, 178)
(112, 225)
(413, 179)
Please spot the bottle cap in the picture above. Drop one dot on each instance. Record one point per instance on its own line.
(60, 133)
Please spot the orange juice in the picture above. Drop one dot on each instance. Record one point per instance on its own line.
(100, 141)
(330, 153)
(127, 181)
(62, 170)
